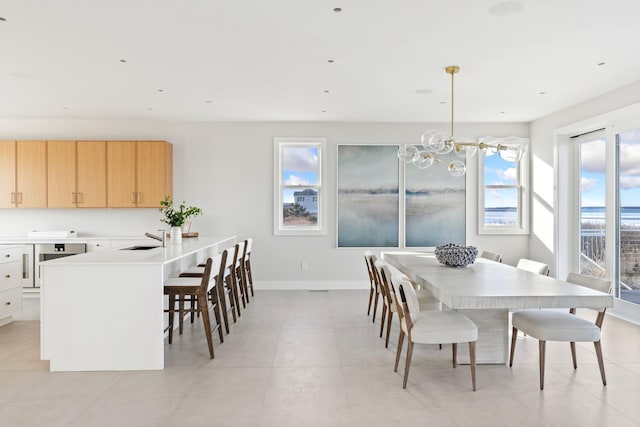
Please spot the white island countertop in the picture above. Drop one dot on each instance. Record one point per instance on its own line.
(158, 255)
(104, 310)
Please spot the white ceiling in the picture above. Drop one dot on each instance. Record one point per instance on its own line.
(268, 60)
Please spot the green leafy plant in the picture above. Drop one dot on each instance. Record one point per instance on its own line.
(175, 217)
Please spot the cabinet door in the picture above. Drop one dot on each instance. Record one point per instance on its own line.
(92, 174)
(61, 174)
(121, 174)
(7, 174)
(31, 174)
(154, 158)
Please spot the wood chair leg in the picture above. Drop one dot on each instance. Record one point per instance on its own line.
(542, 346)
(399, 351)
(375, 306)
(600, 361)
(234, 297)
(573, 354)
(454, 353)
(371, 291)
(249, 277)
(407, 364)
(172, 312)
(514, 336)
(180, 313)
(386, 341)
(222, 301)
(243, 282)
(193, 301)
(216, 312)
(384, 316)
(204, 309)
(245, 297)
(472, 362)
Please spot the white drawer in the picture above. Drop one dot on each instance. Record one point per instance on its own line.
(10, 275)
(10, 302)
(10, 255)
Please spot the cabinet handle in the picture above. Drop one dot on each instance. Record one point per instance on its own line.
(133, 198)
(139, 199)
(19, 198)
(73, 198)
(13, 198)
(79, 198)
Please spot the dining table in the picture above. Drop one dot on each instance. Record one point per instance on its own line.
(487, 291)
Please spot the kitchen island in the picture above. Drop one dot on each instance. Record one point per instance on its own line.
(103, 311)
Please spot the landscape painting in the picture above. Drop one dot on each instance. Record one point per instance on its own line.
(434, 205)
(368, 196)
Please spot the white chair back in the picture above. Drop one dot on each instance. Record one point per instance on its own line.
(493, 256)
(595, 283)
(533, 266)
(405, 287)
(216, 262)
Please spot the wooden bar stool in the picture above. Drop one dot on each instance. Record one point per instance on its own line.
(181, 289)
(222, 290)
(247, 264)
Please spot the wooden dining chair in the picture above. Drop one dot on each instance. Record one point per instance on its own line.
(374, 292)
(533, 266)
(180, 289)
(493, 256)
(432, 327)
(552, 325)
(384, 271)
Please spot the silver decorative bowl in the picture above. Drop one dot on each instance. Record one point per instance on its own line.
(456, 255)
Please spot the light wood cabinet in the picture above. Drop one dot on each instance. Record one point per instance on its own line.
(85, 174)
(23, 174)
(139, 173)
(61, 174)
(77, 174)
(7, 174)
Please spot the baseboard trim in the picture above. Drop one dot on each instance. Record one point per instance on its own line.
(310, 285)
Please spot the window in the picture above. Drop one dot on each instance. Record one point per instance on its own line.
(299, 201)
(503, 206)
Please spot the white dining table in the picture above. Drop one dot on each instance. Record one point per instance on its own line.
(486, 291)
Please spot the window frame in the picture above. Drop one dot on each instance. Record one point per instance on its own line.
(279, 229)
(523, 187)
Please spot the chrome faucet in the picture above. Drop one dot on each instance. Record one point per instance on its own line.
(162, 239)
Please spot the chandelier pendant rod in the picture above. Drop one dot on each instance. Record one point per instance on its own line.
(452, 69)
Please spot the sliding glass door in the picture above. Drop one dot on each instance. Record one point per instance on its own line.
(628, 215)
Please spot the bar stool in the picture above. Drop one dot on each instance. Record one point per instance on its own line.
(222, 290)
(239, 272)
(178, 289)
(247, 263)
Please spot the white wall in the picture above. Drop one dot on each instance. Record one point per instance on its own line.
(543, 139)
(227, 169)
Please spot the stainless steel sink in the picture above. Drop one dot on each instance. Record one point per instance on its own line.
(139, 248)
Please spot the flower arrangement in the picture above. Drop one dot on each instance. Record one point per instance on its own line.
(177, 217)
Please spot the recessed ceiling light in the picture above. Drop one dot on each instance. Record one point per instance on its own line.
(123, 60)
(506, 8)
(542, 93)
(160, 90)
(3, 19)
(337, 9)
(423, 91)
(326, 91)
(324, 111)
(601, 63)
(208, 102)
(65, 108)
(150, 109)
(443, 102)
(502, 112)
(330, 61)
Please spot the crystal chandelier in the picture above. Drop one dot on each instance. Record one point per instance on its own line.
(436, 143)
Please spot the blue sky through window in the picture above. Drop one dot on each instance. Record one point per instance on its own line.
(500, 172)
(299, 167)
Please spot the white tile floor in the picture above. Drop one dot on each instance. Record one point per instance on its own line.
(298, 358)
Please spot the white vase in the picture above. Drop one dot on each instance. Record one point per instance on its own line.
(176, 235)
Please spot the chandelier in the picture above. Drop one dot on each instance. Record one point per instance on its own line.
(436, 143)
